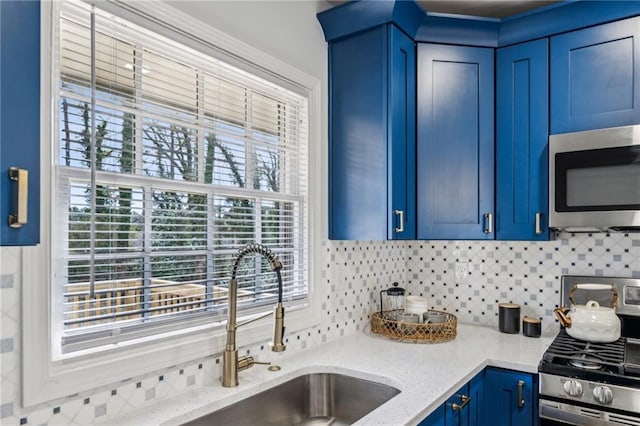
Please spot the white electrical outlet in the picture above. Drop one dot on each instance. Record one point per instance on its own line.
(462, 270)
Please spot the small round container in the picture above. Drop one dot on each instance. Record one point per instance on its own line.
(434, 317)
(416, 304)
(531, 327)
(405, 320)
(509, 318)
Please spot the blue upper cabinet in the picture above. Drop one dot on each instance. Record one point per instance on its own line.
(510, 398)
(372, 136)
(522, 110)
(455, 146)
(402, 137)
(20, 122)
(595, 77)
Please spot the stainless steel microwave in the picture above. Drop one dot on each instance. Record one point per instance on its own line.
(594, 180)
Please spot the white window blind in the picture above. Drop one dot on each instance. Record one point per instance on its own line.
(168, 161)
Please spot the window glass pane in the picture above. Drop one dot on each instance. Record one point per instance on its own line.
(114, 62)
(115, 134)
(265, 114)
(168, 83)
(119, 219)
(170, 150)
(225, 155)
(178, 221)
(118, 292)
(224, 100)
(267, 169)
(234, 223)
(278, 223)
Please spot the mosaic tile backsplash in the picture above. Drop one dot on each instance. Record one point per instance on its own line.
(521, 272)
(527, 273)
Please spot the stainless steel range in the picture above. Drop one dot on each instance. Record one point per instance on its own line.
(593, 384)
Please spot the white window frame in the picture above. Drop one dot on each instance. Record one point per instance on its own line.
(47, 377)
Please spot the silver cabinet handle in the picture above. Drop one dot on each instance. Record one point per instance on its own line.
(538, 223)
(399, 213)
(520, 393)
(489, 219)
(465, 400)
(19, 216)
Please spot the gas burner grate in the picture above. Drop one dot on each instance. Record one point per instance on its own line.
(565, 350)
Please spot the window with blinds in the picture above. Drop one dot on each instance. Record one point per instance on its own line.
(167, 162)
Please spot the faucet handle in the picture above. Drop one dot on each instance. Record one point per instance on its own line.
(247, 361)
(278, 333)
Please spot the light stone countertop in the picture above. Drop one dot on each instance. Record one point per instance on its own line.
(426, 374)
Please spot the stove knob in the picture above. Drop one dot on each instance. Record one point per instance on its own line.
(573, 388)
(603, 394)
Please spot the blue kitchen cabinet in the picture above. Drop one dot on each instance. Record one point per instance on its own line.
(436, 418)
(464, 408)
(20, 121)
(476, 406)
(455, 142)
(510, 398)
(522, 111)
(372, 136)
(595, 77)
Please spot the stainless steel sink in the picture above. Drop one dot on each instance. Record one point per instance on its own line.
(311, 399)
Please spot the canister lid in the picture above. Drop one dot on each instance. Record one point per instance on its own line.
(531, 319)
(509, 305)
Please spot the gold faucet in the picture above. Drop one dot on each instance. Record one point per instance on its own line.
(231, 364)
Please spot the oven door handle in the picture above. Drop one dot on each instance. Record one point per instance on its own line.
(520, 393)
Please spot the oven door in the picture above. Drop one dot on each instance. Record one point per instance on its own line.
(594, 178)
(564, 413)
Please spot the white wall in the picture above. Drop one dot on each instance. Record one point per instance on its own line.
(286, 30)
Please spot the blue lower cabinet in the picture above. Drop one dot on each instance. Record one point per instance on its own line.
(455, 142)
(494, 397)
(595, 77)
(510, 398)
(476, 404)
(20, 123)
(464, 408)
(436, 418)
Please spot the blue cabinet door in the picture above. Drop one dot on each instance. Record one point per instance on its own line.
(20, 117)
(455, 413)
(436, 418)
(476, 407)
(522, 111)
(464, 408)
(595, 77)
(372, 136)
(455, 170)
(402, 137)
(509, 398)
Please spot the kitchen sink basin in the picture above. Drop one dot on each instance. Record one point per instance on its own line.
(310, 399)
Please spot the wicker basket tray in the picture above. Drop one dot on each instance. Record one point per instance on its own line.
(384, 324)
